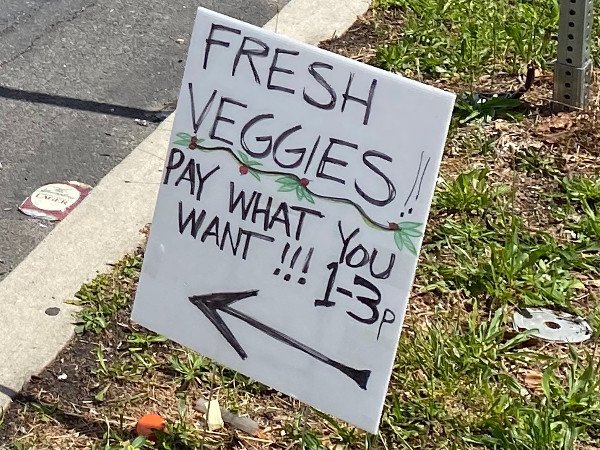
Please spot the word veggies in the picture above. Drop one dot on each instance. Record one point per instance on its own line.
(228, 120)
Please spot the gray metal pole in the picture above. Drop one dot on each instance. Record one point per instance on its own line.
(573, 68)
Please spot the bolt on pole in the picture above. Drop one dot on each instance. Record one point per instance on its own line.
(573, 68)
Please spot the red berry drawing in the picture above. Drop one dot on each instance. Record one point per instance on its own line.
(304, 182)
(393, 226)
(193, 143)
(243, 170)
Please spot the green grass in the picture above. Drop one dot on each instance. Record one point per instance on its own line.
(107, 294)
(475, 108)
(458, 385)
(468, 38)
(469, 192)
(455, 382)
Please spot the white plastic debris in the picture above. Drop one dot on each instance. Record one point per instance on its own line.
(62, 377)
(244, 424)
(141, 122)
(555, 326)
(214, 419)
(180, 41)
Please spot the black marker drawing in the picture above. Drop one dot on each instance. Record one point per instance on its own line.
(416, 179)
(409, 212)
(422, 175)
(300, 183)
(388, 317)
(406, 233)
(211, 304)
(295, 256)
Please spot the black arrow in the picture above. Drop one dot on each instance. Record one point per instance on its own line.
(211, 304)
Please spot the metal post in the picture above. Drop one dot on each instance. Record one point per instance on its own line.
(573, 68)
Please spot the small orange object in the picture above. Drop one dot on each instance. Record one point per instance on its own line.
(148, 424)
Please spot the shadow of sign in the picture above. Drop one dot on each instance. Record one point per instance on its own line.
(8, 391)
(75, 103)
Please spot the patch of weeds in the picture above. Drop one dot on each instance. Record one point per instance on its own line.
(116, 368)
(22, 446)
(343, 435)
(237, 382)
(565, 413)
(117, 438)
(513, 272)
(472, 107)
(469, 233)
(305, 439)
(535, 161)
(470, 192)
(448, 376)
(589, 223)
(464, 235)
(181, 434)
(473, 256)
(595, 52)
(582, 190)
(479, 348)
(140, 341)
(138, 443)
(453, 386)
(140, 346)
(104, 296)
(469, 37)
(579, 209)
(593, 316)
(188, 366)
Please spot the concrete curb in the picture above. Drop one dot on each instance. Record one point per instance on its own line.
(313, 21)
(107, 225)
(99, 231)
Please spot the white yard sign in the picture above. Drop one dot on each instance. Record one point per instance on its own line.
(291, 212)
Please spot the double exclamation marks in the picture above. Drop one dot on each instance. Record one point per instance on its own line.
(415, 191)
(295, 256)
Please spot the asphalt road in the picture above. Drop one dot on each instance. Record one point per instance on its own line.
(74, 76)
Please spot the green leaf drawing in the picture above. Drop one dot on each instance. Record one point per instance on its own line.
(410, 232)
(286, 188)
(302, 193)
(410, 246)
(183, 139)
(289, 184)
(243, 158)
(254, 174)
(288, 181)
(399, 240)
(403, 236)
(247, 161)
(308, 196)
(409, 225)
